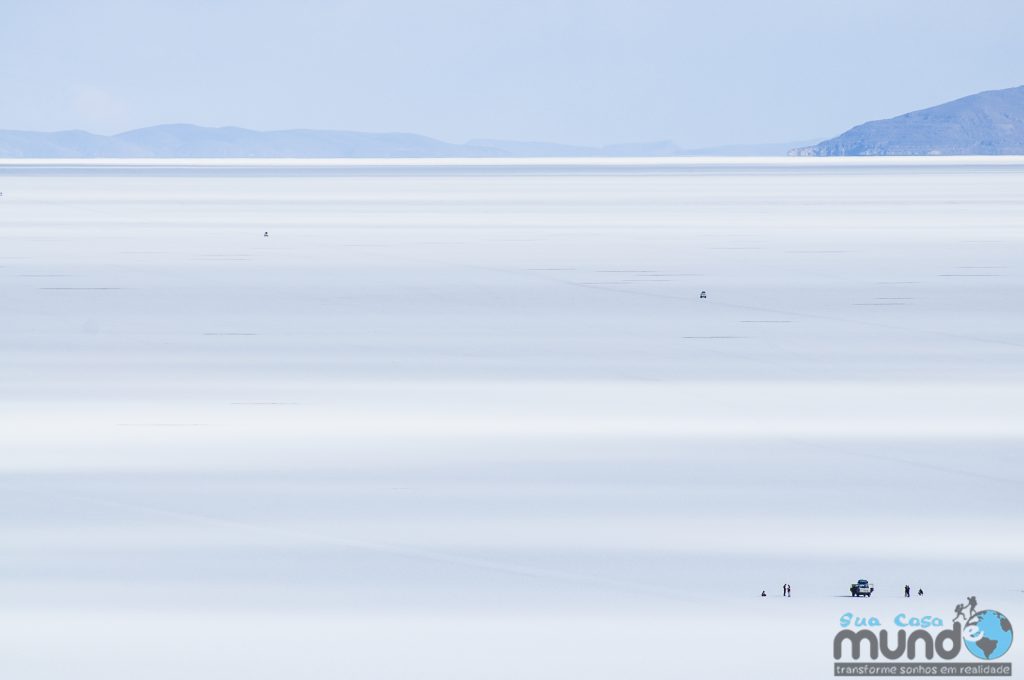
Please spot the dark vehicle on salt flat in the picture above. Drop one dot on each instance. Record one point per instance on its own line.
(861, 588)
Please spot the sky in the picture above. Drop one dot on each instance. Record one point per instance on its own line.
(571, 71)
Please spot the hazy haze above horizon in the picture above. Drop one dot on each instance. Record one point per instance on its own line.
(599, 72)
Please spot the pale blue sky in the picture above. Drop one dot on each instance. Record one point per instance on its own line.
(599, 71)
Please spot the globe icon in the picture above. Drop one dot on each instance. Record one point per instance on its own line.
(989, 635)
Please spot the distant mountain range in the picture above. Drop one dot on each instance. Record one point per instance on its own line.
(193, 141)
(987, 123)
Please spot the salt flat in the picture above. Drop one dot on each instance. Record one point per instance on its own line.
(471, 419)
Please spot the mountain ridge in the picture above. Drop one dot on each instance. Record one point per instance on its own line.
(986, 123)
(183, 140)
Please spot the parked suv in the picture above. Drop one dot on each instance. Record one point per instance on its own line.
(861, 588)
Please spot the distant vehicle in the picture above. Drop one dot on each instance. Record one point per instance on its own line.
(861, 588)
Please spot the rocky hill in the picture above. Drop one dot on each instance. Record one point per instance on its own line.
(987, 123)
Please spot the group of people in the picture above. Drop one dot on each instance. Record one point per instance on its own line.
(787, 591)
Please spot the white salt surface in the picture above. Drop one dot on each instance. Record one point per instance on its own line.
(471, 420)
